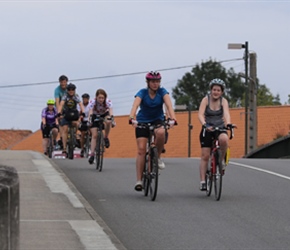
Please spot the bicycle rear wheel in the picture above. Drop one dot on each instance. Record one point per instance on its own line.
(153, 186)
(145, 177)
(71, 144)
(208, 181)
(218, 177)
(50, 145)
(87, 145)
(99, 151)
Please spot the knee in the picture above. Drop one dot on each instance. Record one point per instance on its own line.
(205, 157)
(141, 151)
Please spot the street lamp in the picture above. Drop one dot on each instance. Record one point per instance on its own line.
(246, 47)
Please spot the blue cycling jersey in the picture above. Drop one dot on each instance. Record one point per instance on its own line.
(151, 109)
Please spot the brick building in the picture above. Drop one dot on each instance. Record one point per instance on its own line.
(272, 122)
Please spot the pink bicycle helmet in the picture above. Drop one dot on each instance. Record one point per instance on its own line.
(153, 75)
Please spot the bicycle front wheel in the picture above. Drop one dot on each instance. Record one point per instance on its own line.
(218, 177)
(208, 181)
(50, 146)
(154, 173)
(99, 151)
(87, 145)
(145, 177)
(71, 144)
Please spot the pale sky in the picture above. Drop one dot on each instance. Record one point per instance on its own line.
(41, 40)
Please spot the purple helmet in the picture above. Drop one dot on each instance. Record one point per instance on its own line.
(153, 75)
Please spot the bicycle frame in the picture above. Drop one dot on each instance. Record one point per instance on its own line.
(50, 144)
(100, 147)
(214, 173)
(71, 142)
(150, 171)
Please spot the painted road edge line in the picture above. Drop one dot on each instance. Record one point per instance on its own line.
(260, 169)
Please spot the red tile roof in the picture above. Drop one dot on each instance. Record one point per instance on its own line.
(9, 137)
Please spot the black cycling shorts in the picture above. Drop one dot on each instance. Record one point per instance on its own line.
(207, 140)
(46, 131)
(144, 132)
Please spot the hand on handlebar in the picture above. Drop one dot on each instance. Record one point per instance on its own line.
(171, 122)
(133, 122)
(231, 126)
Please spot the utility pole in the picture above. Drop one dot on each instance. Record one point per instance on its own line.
(246, 58)
(253, 102)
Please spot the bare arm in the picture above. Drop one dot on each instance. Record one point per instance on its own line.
(227, 117)
(168, 105)
(60, 106)
(57, 103)
(43, 120)
(135, 106)
(201, 110)
(82, 107)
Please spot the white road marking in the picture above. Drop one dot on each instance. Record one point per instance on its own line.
(260, 169)
(55, 182)
(92, 235)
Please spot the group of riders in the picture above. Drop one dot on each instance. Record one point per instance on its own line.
(68, 109)
(148, 107)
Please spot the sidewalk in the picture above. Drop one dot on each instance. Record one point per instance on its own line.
(53, 214)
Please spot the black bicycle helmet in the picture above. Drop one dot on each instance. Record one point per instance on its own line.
(85, 95)
(71, 86)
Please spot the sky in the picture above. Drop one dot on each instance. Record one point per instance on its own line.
(111, 44)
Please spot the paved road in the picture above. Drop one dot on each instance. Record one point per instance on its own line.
(253, 212)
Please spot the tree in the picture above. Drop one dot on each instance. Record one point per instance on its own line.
(194, 85)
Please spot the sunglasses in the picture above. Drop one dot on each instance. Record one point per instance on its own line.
(70, 90)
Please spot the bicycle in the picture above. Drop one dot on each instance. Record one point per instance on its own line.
(50, 148)
(215, 171)
(151, 171)
(100, 146)
(87, 145)
(71, 140)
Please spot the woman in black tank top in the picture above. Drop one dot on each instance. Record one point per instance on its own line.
(213, 112)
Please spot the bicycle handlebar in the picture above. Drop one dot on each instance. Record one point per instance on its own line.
(167, 123)
(223, 129)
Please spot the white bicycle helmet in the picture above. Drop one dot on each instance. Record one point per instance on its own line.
(217, 81)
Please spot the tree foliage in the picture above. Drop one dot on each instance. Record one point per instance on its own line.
(194, 86)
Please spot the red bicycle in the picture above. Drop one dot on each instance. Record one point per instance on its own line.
(215, 171)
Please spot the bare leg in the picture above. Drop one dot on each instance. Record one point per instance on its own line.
(44, 144)
(140, 159)
(205, 153)
(94, 140)
(160, 139)
(223, 141)
(64, 136)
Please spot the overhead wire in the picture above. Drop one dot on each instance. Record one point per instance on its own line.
(107, 76)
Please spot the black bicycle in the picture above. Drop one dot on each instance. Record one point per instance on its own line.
(87, 144)
(71, 140)
(215, 171)
(151, 171)
(49, 149)
(100, 146)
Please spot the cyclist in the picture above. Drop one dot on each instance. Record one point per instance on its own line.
(59, 92)
(83, 127)
(67, 109)
(49, 122)
(213, 112)
(150, 100)
(104, 107)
